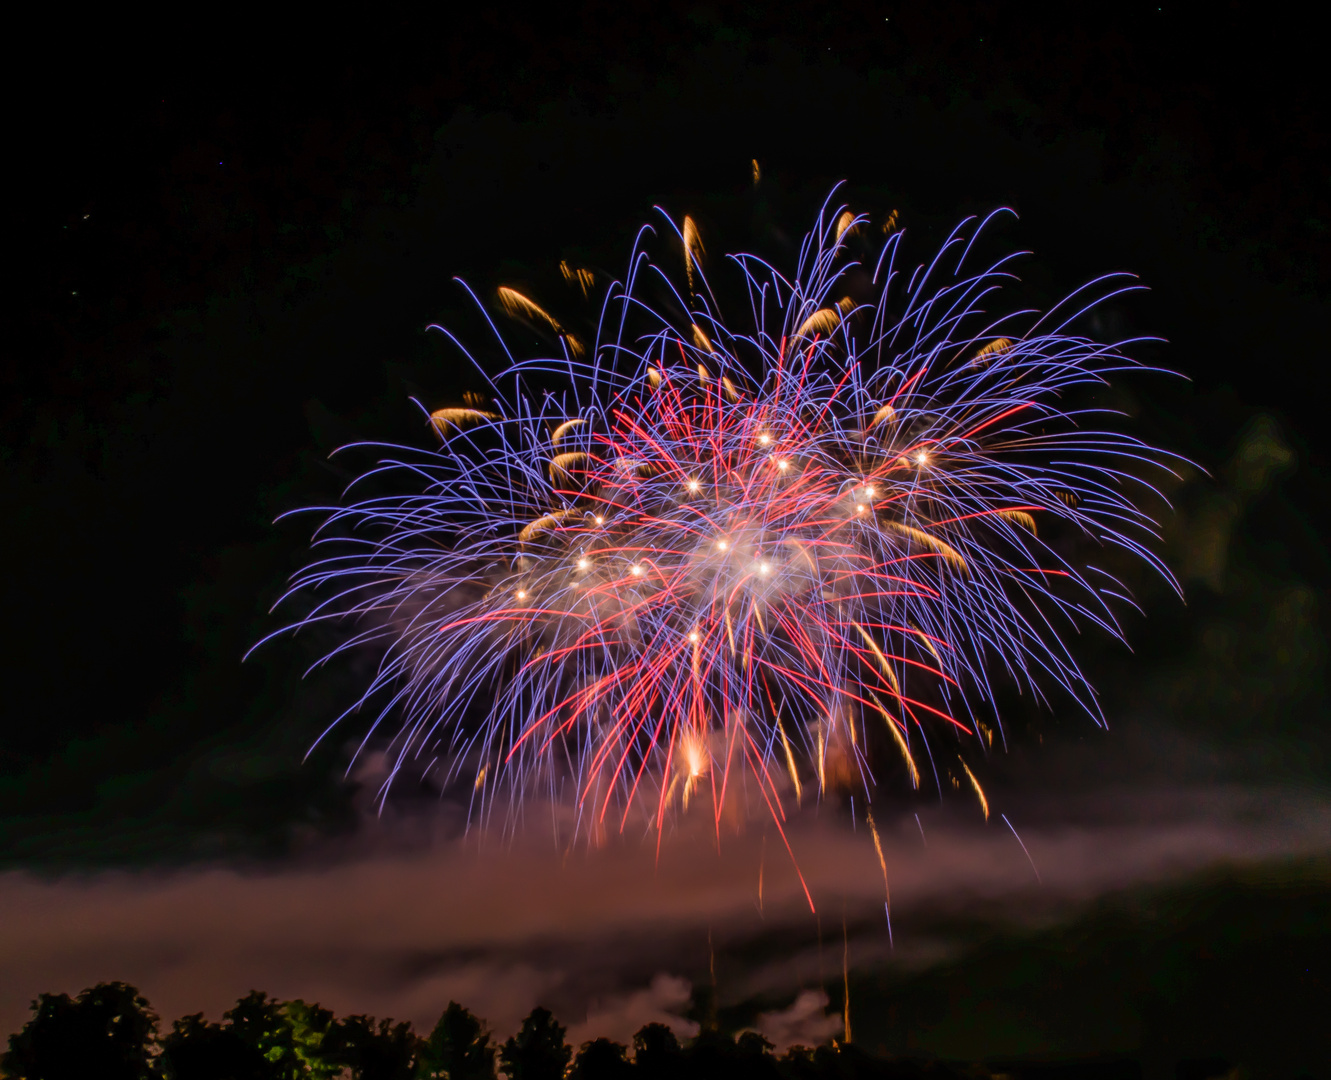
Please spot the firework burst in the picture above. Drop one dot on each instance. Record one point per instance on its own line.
(688, 562)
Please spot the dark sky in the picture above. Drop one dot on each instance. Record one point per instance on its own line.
(230, 238)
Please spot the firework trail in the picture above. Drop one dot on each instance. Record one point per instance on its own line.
(689, 561)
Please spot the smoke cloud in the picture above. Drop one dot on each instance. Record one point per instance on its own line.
(614, 938)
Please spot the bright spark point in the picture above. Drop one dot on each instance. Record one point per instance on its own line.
(869, 492)
(693, 485)
(921, 458)
(722, 545)
(600, 520)
(765, 439)
(783, 464)
(860, 508)
(636, 571)
(583, 564)
(763, 568)
(522, 595)
(693, 637)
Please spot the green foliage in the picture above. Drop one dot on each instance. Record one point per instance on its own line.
(459, 1048)
(261, 1023)
(265, 1039)
(313, 1035)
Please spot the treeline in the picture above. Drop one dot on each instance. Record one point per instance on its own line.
(109, 1032)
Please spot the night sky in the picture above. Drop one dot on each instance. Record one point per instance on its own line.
(230, 238)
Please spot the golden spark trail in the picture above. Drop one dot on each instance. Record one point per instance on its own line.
(845, 971)
(457, 419)
(882, 862)
(888, 673)
(692, 249)
(924, 539)
(1020, 517)
(563, 429)
(790, 763)
(984, 803)
(992, 351)
(900, 738)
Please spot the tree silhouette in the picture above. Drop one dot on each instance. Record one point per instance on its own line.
(656, 1052)
(376, 1052)
(798, 1063)
(458, 1048)
(260, 1023)
(601, 1059)
(754, 1057)
(198, 1050)
(712, 1054)
(752, 1044)
(538, 1050)
(107, 1032)
(262, 1039)
(313, 1036)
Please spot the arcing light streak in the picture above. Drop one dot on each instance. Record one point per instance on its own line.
(696, 558)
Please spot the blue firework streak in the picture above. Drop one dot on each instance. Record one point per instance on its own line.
(687, 558)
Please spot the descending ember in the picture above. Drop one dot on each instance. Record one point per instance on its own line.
(698, 564)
